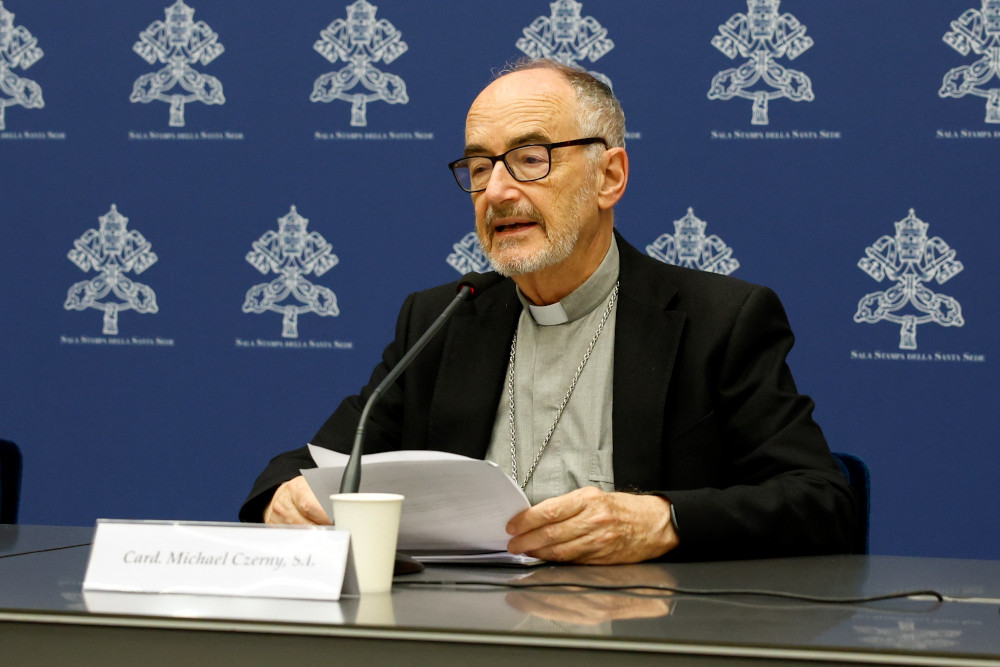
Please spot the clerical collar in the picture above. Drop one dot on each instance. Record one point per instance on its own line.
(584, 299)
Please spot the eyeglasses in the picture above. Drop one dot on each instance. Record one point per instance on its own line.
(525, 163)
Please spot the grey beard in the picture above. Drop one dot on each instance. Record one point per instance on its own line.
(556, 250)
(559, 243)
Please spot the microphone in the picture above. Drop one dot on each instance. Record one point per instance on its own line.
(470, 286)
(477, 282)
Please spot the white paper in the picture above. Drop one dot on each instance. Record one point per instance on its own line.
(327, 458)
(452, 502)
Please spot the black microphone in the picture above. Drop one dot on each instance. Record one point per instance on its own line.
(470, 286)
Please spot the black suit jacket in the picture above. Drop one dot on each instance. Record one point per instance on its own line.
(705, 411)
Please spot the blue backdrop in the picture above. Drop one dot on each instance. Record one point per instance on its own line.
(152, 366)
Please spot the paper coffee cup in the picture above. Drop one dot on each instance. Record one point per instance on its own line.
(373, 519)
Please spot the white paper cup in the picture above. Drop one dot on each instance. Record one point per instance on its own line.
(373, 519)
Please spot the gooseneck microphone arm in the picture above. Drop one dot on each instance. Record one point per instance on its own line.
(469, 287)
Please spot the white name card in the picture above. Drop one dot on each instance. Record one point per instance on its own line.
(249, 560)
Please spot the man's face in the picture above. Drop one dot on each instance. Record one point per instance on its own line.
(525, 227)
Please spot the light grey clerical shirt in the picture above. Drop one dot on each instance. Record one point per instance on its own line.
(551, 344)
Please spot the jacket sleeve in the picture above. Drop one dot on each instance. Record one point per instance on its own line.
(337, 433)
(777, 490)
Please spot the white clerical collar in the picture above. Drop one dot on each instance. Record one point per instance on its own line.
(549, 315)
(585, 298)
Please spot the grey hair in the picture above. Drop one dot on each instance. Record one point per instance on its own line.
(599, 112)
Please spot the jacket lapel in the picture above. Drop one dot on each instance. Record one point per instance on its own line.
(647, 336)
(472, 373)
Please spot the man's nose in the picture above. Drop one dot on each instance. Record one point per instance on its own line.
(502, 186)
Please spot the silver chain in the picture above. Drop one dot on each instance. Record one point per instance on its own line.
(565, 400)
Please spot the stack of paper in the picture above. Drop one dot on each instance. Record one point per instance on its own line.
(455, 509)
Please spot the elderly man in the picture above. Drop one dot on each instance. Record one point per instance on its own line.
(645, 409)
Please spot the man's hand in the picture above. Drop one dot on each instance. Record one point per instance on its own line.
(594, 527)
(294, 502)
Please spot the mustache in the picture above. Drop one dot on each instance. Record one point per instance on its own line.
(521, 209)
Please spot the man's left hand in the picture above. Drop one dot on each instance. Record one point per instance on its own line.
(594, 527)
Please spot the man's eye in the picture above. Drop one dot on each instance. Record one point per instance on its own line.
(479, 168)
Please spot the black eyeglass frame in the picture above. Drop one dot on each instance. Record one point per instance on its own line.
(503, 158)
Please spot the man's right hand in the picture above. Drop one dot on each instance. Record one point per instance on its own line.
(294, 502)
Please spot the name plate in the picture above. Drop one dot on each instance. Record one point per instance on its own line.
(248, 560)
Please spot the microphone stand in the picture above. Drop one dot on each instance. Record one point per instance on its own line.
(470, 286)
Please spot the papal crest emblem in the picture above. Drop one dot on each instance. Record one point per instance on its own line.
(762, 37)
(690, 247)
(178, 43)
(566, 37)
(977, 31)
(18, 50)
(467, 255)
(112, 251)
(360, 42)
(292, 253)
(910, 259)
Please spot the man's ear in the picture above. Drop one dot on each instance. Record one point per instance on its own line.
(614, 177)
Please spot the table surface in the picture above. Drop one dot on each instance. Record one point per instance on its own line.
(42, 569)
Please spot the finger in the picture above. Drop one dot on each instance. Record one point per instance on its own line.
(621, 528)
(578, 549)
(294, 503)
(281, 510)
(551, 510)
(307, 504)
(545, 537)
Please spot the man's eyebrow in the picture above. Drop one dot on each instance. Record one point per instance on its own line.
(537, 137)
